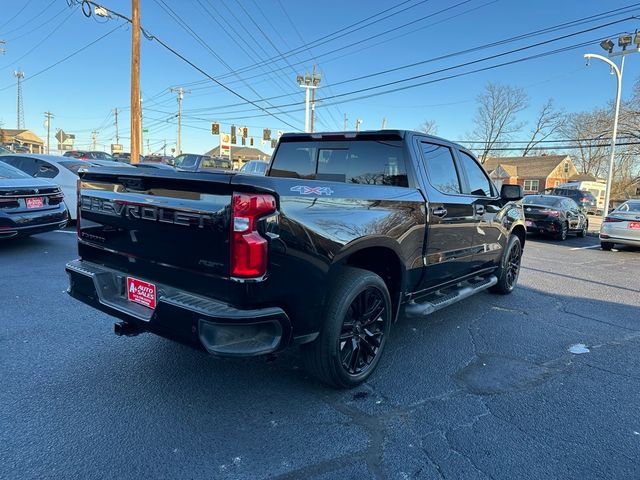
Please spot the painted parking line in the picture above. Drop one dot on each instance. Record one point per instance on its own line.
(73, 232)
(584, 248)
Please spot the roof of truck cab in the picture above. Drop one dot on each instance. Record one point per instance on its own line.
(364, 134)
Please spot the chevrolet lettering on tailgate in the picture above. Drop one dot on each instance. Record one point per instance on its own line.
(137, 211)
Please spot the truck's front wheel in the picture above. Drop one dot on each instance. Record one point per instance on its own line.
(357, 319)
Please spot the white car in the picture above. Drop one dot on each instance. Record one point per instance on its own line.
(621, 226)
(60, 170)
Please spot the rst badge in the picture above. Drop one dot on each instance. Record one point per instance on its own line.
(304, 190)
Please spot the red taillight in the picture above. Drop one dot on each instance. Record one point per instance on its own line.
(248, 247)
(613, 220)
(584, 199)
(551, 213)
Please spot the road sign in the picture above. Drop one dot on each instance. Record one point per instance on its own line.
(225, 145)
(116, 148)
(61, 136)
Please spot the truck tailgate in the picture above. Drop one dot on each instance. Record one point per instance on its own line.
(156, 224)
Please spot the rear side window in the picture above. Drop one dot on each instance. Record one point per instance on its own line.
(366, 162)
(295, 160)
(441, 168)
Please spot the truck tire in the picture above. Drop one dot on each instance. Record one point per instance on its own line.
(509, 267)
(356, 323)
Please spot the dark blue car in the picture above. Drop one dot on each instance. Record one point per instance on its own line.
(28, 205)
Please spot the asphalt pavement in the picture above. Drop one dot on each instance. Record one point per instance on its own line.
(540, 384)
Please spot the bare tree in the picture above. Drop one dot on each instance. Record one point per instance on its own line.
(584, 130)
(548, 123)
(429, 127)
(496, 118)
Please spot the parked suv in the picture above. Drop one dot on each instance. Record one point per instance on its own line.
(585, 200)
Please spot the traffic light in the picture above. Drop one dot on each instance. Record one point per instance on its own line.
(251, 141)
(233, 134)
(245, 132)
(274, 142)
(266, 134)
(215, 129)
(244, 141)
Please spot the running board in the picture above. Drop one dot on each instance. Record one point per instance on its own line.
(444, 298)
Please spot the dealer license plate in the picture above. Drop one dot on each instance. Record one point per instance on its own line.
(141, 292)
(35, 202)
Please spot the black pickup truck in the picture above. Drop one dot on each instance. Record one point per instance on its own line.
(344, 234)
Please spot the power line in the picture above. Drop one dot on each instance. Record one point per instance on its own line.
(81, 49)
(534, 33)
(189, 62)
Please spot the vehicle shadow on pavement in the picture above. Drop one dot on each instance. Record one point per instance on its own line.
(486, 388)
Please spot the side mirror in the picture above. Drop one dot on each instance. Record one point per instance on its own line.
(511, 192)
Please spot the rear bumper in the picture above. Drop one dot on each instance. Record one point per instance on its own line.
(194, 320)
(544, 226)
(32, 224)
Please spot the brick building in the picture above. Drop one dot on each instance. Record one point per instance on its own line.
(535, 174)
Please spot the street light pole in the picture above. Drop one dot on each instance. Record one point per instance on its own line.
(308, 82)
(618, 73)
(624, 41)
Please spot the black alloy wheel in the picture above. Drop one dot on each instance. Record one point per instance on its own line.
(509, 267)
(355, 325)
(363, 331)
(513, 265)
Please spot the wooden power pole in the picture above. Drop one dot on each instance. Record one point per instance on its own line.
(135, 81)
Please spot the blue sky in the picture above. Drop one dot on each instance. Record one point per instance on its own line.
(83, 90)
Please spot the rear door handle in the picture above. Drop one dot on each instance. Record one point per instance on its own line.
(479, 209)
(439, 211)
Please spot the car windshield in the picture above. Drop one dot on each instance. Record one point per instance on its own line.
(186, 161)
(7, 171)
(541, 200)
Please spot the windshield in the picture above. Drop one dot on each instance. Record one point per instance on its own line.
(7, 171)
(541, 200)
(186, 161)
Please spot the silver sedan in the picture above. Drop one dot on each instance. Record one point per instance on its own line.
(622, 225)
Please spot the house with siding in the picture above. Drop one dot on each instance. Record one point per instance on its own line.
(535, 174)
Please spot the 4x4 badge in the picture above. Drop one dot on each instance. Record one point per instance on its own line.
(304, 190)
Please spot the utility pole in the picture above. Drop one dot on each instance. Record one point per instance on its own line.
(384, 123)
(358, 123)
(180, 91)
(115, 112)
(48, 116)
(136, 114)
(346, 121)
(93, 139)
(19, 107)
